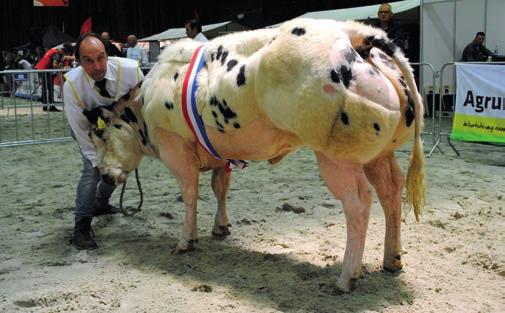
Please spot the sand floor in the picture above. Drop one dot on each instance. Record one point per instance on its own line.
(274, 260)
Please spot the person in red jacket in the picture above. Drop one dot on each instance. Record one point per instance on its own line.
(52, 59)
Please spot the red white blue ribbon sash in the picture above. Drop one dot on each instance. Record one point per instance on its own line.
(190, 109)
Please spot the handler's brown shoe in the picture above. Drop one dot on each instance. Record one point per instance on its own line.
(82, 238)
(108, 209)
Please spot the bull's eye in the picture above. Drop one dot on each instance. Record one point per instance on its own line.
(99, 133)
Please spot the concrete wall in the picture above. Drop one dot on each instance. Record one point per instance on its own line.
(447, 26)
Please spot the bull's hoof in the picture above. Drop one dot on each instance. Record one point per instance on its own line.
(186, 247)
(338, 288)
(393, 265)
(345, 286)
(221, 232)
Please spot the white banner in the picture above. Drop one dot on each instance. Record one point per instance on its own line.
(480, 90)
(480, 103)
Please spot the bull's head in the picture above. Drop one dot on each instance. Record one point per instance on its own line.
(120, 137)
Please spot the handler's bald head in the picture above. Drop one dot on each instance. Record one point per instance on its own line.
(92, 55)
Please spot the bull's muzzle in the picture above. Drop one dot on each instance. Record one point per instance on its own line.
(114, 176)
(109, 180)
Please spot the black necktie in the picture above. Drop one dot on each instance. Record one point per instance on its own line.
(101, 87)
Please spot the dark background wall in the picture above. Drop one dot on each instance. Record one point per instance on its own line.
(22, 23)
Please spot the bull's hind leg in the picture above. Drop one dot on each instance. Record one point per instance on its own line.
(386, 177)
(347, 182)
(183, 162)
(221, 179)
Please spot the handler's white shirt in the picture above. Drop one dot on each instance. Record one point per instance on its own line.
(79, 93)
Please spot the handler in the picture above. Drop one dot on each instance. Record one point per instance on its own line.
(98, 81)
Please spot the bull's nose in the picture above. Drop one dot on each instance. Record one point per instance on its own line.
(109, 180)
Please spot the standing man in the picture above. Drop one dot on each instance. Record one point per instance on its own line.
(476, 51)
(136, 52)
(395, 32)
(98, 81)
(112, 50)
(194, 31)
(52, 59)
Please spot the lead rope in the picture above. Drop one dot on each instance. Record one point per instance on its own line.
(132, 212)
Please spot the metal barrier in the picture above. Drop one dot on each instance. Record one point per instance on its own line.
(26, 113)
(27, 118)
(433, 133)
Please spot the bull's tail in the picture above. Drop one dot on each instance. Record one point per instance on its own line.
(363, 38)
(416, 191)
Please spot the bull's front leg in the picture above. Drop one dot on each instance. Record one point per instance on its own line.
(181, 159)
(386, 177)
(221, 179)
(347, 182)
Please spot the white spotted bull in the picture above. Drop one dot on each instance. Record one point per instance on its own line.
(341, 89)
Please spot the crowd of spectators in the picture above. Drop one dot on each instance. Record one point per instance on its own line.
(31, 57)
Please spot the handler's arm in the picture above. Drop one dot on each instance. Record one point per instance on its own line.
(79, 124)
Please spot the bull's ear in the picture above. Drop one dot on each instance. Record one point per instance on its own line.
(98, 116)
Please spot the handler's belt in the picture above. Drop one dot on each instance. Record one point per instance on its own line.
(190, 110)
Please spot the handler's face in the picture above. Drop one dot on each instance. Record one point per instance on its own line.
(93, 58)
(385, 13)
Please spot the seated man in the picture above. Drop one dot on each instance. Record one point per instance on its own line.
(476, 51)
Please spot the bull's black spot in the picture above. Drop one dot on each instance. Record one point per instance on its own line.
(145, 131)
(212, 57)
(298, 31)
(344, 118)
(411, 110)
(124, 118)
(364, 52)
(223, 57)
(377, 127)
(241, 76)
(214, 114)
(220, 126)
(236, 125)
(350, 55)
(176, 75)
(385, 45)
(130, 115)
(117, 126)
(213, 101)
(231, 64)
(334, 76)
(219, 52)
(169, 105)
(226, 111)
(371, 72)
(143, 137)
(271, 40)
(346, 74)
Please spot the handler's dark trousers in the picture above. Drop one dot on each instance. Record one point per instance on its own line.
(92, 192)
